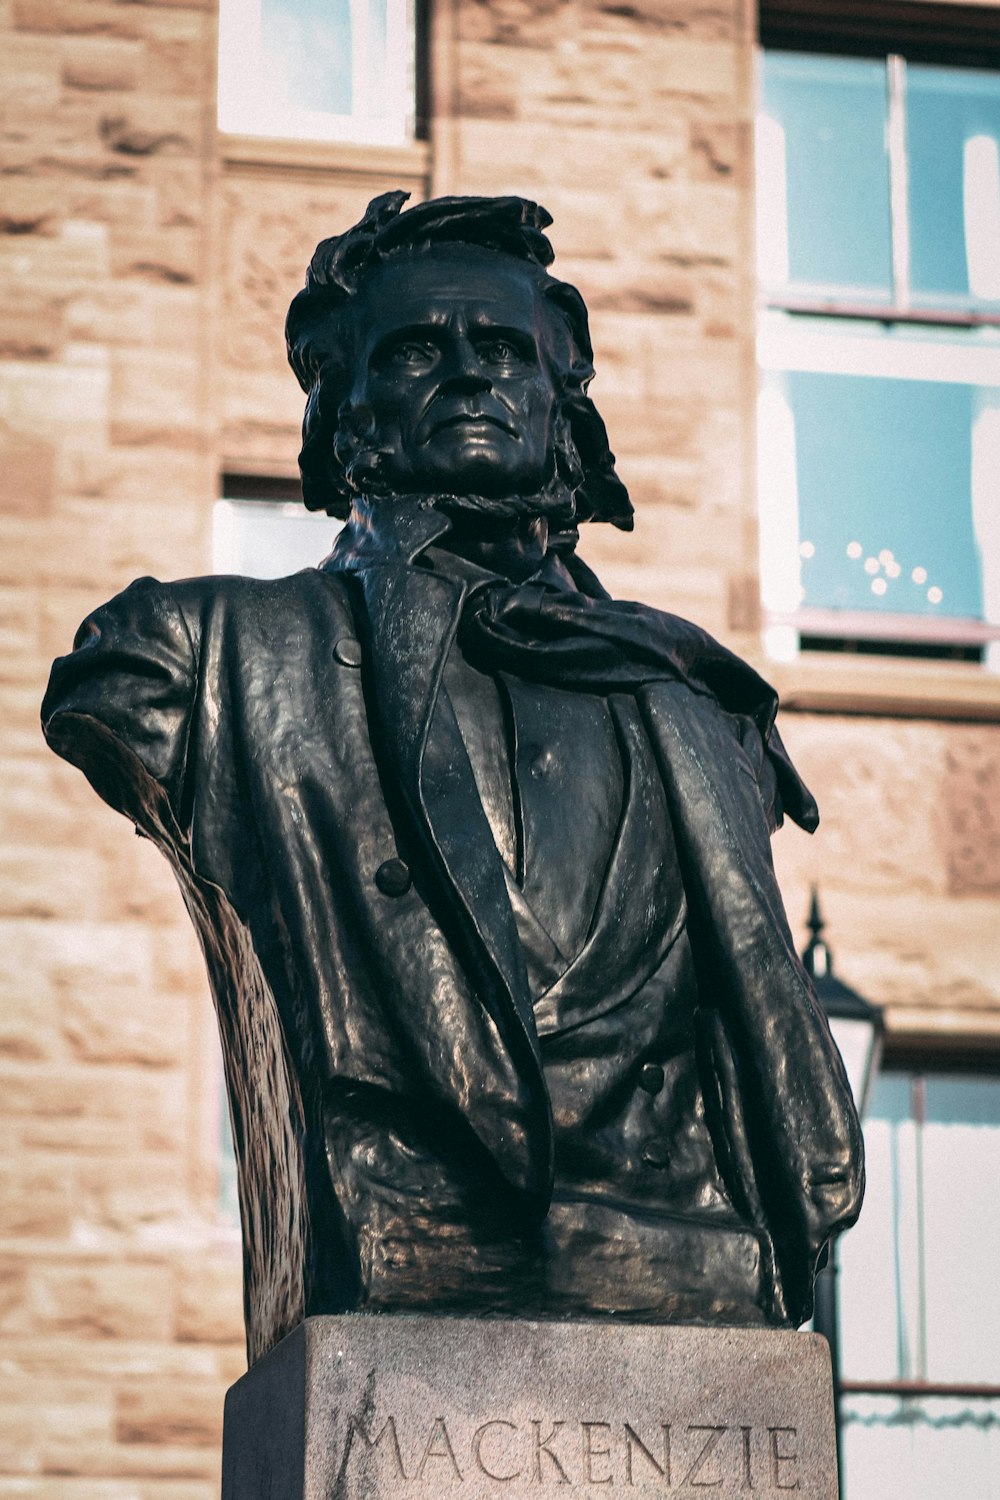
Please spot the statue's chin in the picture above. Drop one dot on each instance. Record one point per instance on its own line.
(549, 503)
(554, 501)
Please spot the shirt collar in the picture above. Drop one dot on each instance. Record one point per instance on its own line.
(405, 530)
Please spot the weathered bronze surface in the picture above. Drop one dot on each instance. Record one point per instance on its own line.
(479, 858)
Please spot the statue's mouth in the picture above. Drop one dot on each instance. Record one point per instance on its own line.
(472, 419)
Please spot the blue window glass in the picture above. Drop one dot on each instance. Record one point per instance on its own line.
(336, 70)
(917, 1300)
(880, 188)
(831, 111)
(267, 539)
(953, 131)
(307, 45)
(884, 478)
(377, 44)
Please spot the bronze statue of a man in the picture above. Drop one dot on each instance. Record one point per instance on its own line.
(479, 858)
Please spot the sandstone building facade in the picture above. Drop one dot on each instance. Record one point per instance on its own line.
(146, 261)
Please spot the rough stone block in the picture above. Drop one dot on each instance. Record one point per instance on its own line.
(27, 1030)
(143, 1108)
(354, 1407)
(137, 1193)
(168, 255)
(971, 793)
(164, 1411)
(515, 23)
(210, 1300)
(29, 476)
(704, 19)
(100, 63)
(880, 800)
(35, 1199)
(696, 66)
(146, 126)
(40, 397)
(98, 1301)
(78, 17)
(51, 1488)
(552, 158)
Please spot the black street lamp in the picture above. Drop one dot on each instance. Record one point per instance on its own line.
(857, 1028)
(856, 1024)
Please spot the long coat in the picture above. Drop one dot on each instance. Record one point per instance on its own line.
(273, 739)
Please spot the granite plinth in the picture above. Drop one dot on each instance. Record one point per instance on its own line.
(367, 1408)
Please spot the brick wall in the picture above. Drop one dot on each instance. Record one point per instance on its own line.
(633, 126)
(143, 282)
(119, 1293)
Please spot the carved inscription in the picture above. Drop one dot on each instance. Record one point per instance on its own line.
(446, 1453)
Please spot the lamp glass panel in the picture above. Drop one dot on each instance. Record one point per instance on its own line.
(856, 1042)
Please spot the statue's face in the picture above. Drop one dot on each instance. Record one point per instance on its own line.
(452, 374)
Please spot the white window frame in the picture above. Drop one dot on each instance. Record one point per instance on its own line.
(813, 332)
(384, 112)
(244, 537)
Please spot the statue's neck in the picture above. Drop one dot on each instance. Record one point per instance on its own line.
(514, 549)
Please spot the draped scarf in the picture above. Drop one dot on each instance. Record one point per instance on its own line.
(599, 645)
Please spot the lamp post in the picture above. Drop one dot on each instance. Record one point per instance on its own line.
(857, 1028)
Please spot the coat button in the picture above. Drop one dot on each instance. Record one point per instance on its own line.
(655, 1154)
(393, 878)
(651, 1078)
(348, 652)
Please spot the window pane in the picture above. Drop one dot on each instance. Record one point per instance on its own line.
(931, 1448)
(317, 69)
(265, 539)
(823, 158)
(953, 131)
(961, 1224)
(884, 472)
(377, 50)
(916, 1299)
(307, 47)
(879, 1275)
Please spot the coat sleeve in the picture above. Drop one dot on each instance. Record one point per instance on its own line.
(792, 1134)
(119, 706)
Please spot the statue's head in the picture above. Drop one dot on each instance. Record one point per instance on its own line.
(440, 357)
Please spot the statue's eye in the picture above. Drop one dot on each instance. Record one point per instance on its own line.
(410, 353)
(499, 352)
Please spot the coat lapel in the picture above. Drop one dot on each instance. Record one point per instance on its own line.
(792, 1128)
(411, 616)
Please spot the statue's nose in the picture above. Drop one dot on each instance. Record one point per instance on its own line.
(467, 383)
(464, 373)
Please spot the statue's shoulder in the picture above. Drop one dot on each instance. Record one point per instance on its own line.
(150, 605)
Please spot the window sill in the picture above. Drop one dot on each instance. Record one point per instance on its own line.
(866, 685)
(409, 163)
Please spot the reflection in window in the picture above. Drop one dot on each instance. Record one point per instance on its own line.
(822, 150)
(269, 539)
(920, 1312)
(885, 442)
(317, 69)
(953, 130)
(879, 427)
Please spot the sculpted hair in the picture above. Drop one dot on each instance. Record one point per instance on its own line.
(319, 336)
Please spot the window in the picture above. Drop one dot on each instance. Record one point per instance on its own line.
(879, 348)
(268, 538)
(327, 70)
(919, 1303)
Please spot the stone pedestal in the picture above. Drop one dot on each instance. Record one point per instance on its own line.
(368, 1408)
